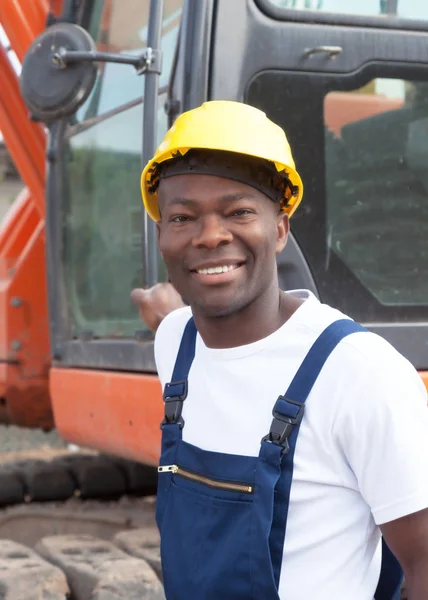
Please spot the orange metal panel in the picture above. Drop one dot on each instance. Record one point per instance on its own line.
(24, 334)
(23, 20)
(24, 341)
(118, 413)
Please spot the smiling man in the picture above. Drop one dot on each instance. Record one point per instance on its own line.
(293, 438)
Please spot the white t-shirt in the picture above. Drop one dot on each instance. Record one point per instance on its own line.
(362, 452)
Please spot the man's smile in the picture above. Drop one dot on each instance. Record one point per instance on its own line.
(215, 273)
(217, 270)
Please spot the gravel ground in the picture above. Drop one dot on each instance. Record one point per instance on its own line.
(18, 439)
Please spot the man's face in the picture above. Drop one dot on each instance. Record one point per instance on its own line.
(219, 239)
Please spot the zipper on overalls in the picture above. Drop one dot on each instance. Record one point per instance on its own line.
(215, 483)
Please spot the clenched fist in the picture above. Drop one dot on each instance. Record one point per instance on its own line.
(156, 303)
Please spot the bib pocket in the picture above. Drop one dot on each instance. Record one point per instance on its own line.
(206, 543)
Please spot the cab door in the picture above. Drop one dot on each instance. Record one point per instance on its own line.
(351, 91)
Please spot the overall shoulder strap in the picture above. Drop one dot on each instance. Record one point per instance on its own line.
(288, 409)
(279, 444)
(186, 353)
(175, 392)
(287, 413)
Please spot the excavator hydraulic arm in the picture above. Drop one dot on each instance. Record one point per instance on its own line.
(24, 332)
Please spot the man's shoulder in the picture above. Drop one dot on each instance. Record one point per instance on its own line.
(372, 351)
(172, 326)
(175, 320)
(361, 351)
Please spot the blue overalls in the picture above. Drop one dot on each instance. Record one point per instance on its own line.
(222, 517)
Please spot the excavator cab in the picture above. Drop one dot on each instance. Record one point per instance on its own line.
(349, 86)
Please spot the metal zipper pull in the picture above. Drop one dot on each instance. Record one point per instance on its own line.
(168, 469)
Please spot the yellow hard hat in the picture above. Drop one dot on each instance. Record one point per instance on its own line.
(227, 126)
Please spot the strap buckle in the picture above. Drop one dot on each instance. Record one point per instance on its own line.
(286, 415)
(174, 395)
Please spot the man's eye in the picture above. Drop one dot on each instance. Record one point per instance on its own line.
(241, 212)
(179, 219)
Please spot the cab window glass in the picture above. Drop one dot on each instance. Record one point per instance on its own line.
(360, 144)
(411, 9)
(376, 156)
(122, 28)
(102, 201)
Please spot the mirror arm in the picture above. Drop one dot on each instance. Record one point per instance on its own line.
(149, 61)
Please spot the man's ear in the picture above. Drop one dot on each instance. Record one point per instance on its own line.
(282, 231)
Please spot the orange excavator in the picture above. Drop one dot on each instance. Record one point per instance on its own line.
(123, 400)
(101, 81)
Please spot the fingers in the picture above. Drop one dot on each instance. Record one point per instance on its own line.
(140, 296)
(156, 302)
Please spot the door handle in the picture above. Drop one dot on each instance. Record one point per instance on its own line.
(331, 51)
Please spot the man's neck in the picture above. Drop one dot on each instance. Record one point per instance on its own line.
(254, 322)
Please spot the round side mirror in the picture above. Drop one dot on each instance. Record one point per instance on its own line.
(51, 89)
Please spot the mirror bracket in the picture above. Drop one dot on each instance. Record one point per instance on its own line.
(148, 61)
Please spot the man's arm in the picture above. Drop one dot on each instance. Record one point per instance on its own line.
(408, 540)
(156, 303)
(382, 430)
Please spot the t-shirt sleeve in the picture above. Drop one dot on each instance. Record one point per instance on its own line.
(383, 435)
(167, 342)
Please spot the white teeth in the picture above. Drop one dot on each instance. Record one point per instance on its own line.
(217, 270)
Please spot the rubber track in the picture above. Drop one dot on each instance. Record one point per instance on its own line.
(84, 475)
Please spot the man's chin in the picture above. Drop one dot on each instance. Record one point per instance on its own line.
(211, 309)
(218, 312)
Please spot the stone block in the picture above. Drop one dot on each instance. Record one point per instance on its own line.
(98, 570)
(26, 576)
(142, 543)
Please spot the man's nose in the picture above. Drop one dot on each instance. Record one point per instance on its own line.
(212, 233)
